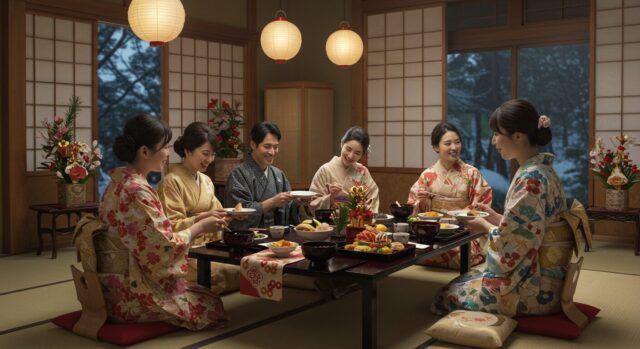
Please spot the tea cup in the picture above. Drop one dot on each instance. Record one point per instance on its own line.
(401, 237)
(277, 231)
(401, 227)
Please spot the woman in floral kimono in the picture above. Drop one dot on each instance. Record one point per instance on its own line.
(188, 196)
(514, 280)
(334, 179)
(152, 284)
(450, 184)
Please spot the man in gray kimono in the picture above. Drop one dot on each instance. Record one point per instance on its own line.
(257, 184)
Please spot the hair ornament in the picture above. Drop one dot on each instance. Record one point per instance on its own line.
(544, 121)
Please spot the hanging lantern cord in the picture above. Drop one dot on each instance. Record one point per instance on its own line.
(280, 13)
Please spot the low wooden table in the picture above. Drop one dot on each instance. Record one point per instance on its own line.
(56, 210)
(367, 273)
(630, 215)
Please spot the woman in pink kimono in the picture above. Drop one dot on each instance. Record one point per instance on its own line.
(450, 184)
(152, 286)
(334, 179)
(188, 196)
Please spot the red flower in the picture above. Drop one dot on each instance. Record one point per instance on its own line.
(225, 105)
(76, 172)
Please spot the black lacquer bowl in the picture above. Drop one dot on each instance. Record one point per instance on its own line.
(319, 252)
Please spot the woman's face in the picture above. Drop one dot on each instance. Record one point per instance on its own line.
(200, 158)
(351, 152)
(159, 157)
(449, 147)
(504, 144)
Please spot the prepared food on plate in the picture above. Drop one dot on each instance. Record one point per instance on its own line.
(238, 207)
(431, 214)
(282, 243)
(312, 225)
(374, 242)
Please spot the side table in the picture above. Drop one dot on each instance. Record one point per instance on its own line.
(630, 215)
(56, 210)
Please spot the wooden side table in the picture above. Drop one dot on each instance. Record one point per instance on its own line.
(630, 215)
(56, 210)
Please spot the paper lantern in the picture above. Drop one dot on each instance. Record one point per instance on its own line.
(344, 47)
(280, 40)
(156, 21)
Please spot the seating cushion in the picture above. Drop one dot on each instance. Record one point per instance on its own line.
(555, 325)
(473, 328)
(120, 334)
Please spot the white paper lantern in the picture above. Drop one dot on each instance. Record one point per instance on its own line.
(280, 40)
(344, 47)
(156, 21)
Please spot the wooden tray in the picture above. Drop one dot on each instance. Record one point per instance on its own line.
(409, 249)
(219, 245)
(450, 236)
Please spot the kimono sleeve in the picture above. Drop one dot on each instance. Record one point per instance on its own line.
(520, 232)
(319, 185)
(413, 195)
(172, 200)
(239, 191)
(479, 190)
(148, 235)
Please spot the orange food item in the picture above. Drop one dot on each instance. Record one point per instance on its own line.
(238, 207)
(431, 214)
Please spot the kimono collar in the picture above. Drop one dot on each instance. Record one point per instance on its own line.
(253, 165)
(337, 162)
(182, 169)
(120, 174)
(542, 158)
(457, 167)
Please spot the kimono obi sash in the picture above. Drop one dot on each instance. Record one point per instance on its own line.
(563, 237)
(98, 250)
(448, 204)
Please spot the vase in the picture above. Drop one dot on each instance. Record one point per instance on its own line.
(616, 199)
(72, 194)
(222, 168)
(351, 232)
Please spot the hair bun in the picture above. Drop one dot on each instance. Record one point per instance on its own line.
(178, 146)
(124, 148)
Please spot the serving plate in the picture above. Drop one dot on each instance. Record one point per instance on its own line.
(409, 249)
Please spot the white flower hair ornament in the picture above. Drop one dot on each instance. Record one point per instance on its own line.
(544, 121)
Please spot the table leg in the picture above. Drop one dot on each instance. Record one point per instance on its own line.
(369, 314)
(204, 273)
(39, 252)
(638, 236)
(464, 258)
(54, 253)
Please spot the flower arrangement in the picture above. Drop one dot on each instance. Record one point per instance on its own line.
(72, 161)
(613, 167)
(226, 122)
(359, 212)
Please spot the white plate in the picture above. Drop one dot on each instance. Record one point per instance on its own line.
(384, 217)
(259, 236)
(302, 194)
(424, 217)
(449, 227)
(243, 212)
(462, 214)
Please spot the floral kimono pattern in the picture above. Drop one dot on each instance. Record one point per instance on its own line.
(183, 198)
(154, 287)
(513, 281)
(460, 186)
(334, 172)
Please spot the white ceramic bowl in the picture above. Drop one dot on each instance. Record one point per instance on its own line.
(424, 217)
(277, 231)
(283, 251)
(315, 235)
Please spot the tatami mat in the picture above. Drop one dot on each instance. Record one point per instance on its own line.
(612, 257)
(29, 270)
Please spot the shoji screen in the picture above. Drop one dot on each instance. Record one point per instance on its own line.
(617, 70)
(198, 71)
(58, 65)
(406, 53)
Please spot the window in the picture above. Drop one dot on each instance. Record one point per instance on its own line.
(128, 84)
(556, 80)
(476, 84)
(476, 14)
(549, 10)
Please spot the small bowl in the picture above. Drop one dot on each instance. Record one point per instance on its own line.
(430, 216)
(277, 231)
(238, 239)
(282, 252)
(401, 212)
(425, 231)
(319, 252)
(401, 237)
(382, 218)
(324, 215)
(317, 235)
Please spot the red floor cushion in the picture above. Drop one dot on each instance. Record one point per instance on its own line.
(120, 334)
(555, 325)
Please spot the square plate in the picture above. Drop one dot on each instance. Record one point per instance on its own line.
(409, 249)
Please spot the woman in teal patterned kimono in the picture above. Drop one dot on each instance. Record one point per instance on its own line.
(512, 281)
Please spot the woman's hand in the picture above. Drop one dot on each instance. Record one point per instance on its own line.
(494, 217)
(209, 224)
(335, 190)
(477, 225)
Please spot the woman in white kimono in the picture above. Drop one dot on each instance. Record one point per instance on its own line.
(146, 280)
(334, 179)
(187, 196)
(450, 184)
(516, 278)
